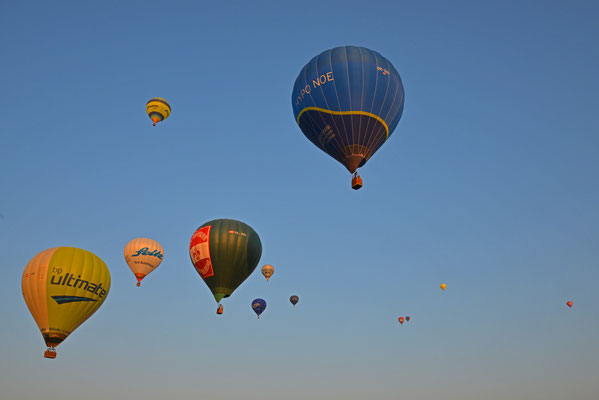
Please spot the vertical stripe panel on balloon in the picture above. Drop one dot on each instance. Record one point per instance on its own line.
(363, 120)
(34, 287)
(32, 295)
(352, 134)
(381, 87)
(352, 90)
(315, 98)
(391, 103)
(356, 77)
(37, 288)
(62, 267)
(91, 265)
(398, 109)
(326, 134)
(101, 276)
(79, 267)
(232, 239)
(41, 286)
(371, 82)
(339, 87)
(379, 132)
(225, 245)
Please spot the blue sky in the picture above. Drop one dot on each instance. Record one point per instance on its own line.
(489, 184)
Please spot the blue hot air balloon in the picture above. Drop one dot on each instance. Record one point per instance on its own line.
(347, 101)
(258, 305)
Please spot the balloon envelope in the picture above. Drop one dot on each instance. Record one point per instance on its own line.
(267, 271)
(258, 305)
(143, 256)
(294, 299)
(347, 102)
(408, 318)
(569, 304)
(443, 286)
(224, 252)
(63, 287)
(401, 320)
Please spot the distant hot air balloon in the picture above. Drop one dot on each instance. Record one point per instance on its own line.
(443, 286)
(224, 252)
(400, 319)
(569, 304)
(267, 271)
(258, 305)
(219, 310)
(294, 299)
(158, 109)
(408, 318)
(143, 256)
(63, 287)
(347, 101)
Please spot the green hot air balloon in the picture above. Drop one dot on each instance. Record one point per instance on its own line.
(225, 252)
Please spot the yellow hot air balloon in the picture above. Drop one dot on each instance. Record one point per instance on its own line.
(143, 256)
(443, 286)
(158, 109)
(267, 271)
(63, 287)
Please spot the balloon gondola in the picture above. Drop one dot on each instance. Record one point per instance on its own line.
(50, 353)
(356, 182)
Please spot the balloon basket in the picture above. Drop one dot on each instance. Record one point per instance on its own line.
(356, 182)
(50, 353)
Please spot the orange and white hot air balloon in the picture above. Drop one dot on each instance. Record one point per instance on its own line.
(267, 271)
(143, 256)
(63, 287)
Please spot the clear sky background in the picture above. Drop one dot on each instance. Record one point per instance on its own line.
(489, 184)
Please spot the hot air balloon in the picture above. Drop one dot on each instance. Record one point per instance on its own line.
(258, 305)
(400, 319)
(347, 101)
(294, 299)
(219, 310)
(443, 286)
(63, 287)
(408, 318)
(267, 271)
(143, 256)
(569, 304)
(158, 109)
(224, 252)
